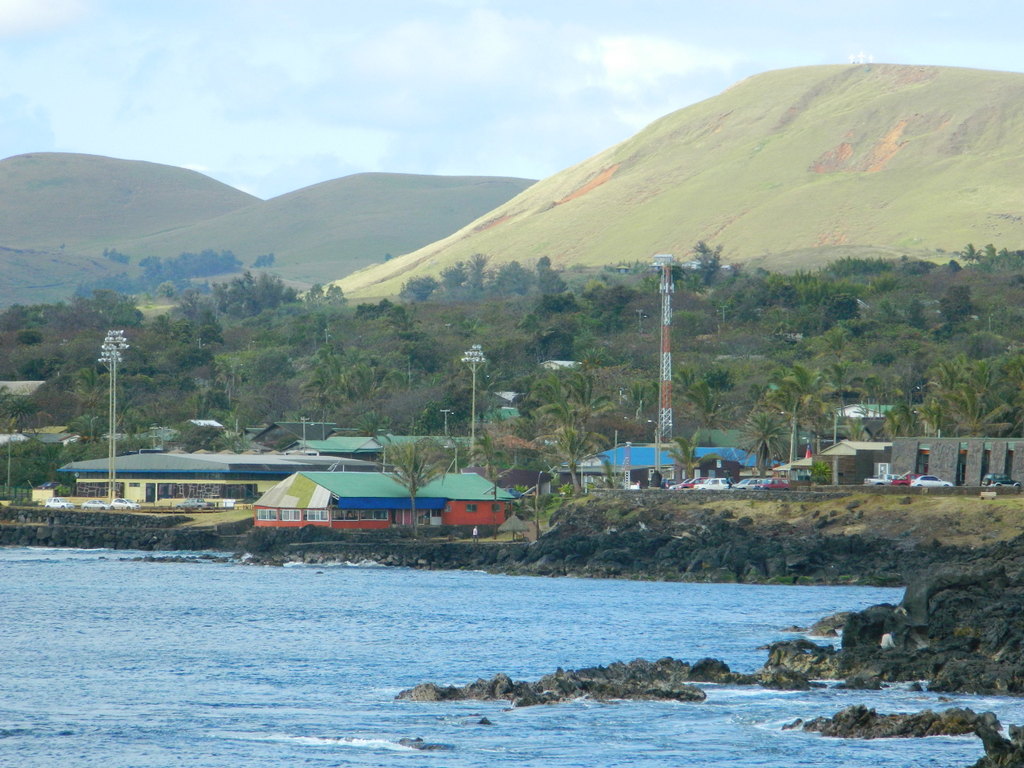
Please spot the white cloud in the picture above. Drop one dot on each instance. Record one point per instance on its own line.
(21, 16)
(633, 66)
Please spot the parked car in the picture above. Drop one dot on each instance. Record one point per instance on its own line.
(930, 481)
(56, 502)
(774, 484)
(886, 479)
(714, 484)
(95, 504)
(192, 504)
(906, 479)
(123, 504)
(993, 478)
(748, 483)
(686, 484)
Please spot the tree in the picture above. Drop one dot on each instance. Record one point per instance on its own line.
(956, 304)
(764, 434)
(414, 465)
(419, 288)
(797, 394)
(572, 445)
(707, 405)
(970, 254)
(683, 451)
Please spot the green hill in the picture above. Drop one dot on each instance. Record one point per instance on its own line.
(60, 212)
(785, 170)
(82, 201)
(336, 227)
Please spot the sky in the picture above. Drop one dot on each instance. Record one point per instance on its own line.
(270, 96)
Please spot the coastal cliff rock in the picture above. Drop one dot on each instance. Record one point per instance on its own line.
(859, 722)
(662, 535)
(664, 680)
(961, 630)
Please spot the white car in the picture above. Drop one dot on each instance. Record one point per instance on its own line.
(714, 484)
(929, 481)
(58, 503)
(749, 483)
(95, 504)
(123, 504)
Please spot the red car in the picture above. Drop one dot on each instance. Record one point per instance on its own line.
(773, 484)
(906, 479)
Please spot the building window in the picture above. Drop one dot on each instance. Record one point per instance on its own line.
(291, 515)
(316, 515)
(495, 507)
(266, 514)
(471, 507)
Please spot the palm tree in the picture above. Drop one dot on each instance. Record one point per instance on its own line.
(572, 445)
(838, 378)
(487, 453)
(324, 385)
(709, 408)
(414, 465)
(901, 421)
(683, 450)
(764, 434)
(571, 399)
(797, 394)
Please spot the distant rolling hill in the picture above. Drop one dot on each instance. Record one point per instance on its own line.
(59, 212)
(330, 229)
(785, 170)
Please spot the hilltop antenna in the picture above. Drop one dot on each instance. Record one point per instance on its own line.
(664, 432)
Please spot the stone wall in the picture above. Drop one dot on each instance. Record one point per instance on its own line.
(39, 527)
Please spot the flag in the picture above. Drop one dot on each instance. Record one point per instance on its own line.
(808, 454)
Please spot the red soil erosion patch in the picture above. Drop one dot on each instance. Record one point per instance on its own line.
(886, 148)
(838, 159)
(594, 183)
(833, 160)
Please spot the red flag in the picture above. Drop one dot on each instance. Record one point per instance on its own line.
(808, 454)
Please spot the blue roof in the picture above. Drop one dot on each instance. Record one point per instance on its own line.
(644, 455)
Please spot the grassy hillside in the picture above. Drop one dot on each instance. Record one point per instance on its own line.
(59, 212)
(84, 201)
(321, 232)
(786, 170)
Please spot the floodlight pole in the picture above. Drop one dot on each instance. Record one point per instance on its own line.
(474, 358)
(664, 431)
(112, 349)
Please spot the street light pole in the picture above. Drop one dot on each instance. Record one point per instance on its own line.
(112, 349)
(304, 419)
(446, 411)
(474, 358)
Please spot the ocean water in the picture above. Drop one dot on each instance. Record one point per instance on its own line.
(112, 660)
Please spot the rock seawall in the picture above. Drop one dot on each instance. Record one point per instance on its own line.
(36, 527)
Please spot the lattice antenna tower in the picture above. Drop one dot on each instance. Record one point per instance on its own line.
(664, 262)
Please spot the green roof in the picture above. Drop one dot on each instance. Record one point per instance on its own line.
(341, 444)
(461, 487)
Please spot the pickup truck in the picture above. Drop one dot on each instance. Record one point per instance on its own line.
(885, 479)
